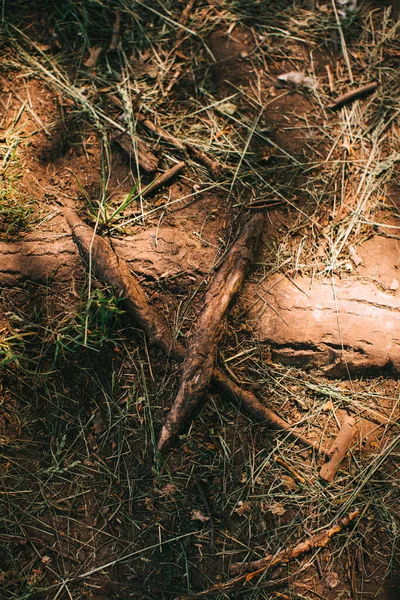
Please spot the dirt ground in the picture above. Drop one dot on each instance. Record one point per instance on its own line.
(88, 507)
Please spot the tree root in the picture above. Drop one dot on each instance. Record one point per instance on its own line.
(201, 352)
(113, 271)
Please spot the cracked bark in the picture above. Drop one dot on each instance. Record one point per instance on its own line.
(201, 353)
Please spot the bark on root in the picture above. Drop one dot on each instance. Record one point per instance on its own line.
(115, 273)
(202, 349)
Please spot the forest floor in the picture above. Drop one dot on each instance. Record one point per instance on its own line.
(88, 507)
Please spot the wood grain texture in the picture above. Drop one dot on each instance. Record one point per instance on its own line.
(339, 327)
(155, 253)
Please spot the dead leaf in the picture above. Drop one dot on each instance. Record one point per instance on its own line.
(296, 79)
(94, 54)
(357, 260)
(149, 503)
(168, 490)
(228, 108)
(43, 47)
(99, 424)
(277, 509)
(197, 515)
(242, 508)
(328, 406)
(331, 580)
(346, 8)
(142, 69)
(289, 482)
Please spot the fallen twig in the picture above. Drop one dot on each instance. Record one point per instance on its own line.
(115, 273)
(201, 157)
(250, 570)
(317, 540)
(163, 179)
(202, 348)
(205, 160)
(360, 92)
(159, 132)
(338, 449)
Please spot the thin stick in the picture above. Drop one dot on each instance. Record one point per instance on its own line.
(360, 92)
(163, 180)
(202, 348)
(205, 160)
(158, 131)
(317, 540)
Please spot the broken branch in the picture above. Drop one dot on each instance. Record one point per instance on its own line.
(146, 159)
(338, 449)
(317, 540)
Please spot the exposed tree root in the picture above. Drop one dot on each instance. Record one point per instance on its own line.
(249, 403)
(202, 348)
(116, 273)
